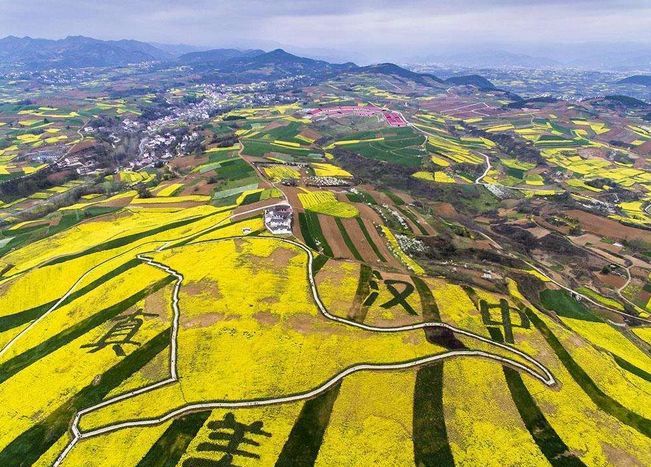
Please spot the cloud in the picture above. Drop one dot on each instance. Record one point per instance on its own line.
(378, 28)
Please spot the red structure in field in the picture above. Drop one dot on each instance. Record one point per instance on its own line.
(392, 118)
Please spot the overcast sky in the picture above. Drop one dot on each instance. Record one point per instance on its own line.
(374, 30)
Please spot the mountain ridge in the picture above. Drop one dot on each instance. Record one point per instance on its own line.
(35, 54)
(644, 80)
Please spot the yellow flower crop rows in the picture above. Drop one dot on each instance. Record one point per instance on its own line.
(27, 290)
(586, 430)
(422, 175)
(324, 202)
(330, 170)
(589, 432)
(277, 420)
(97, 231)
(26, 400)
(232, 335)
(401, 255)
(169, 190)
(440, 161)
(643, 333)
(277, 173)
(455, 307)
(68, 314)
(116, 449)
(232, 230)
(235, 147)
(377, 431)
(289, 144)
(604, 336)
(481, 418)
(172, 199)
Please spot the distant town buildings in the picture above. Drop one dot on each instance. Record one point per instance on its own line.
(393, 118)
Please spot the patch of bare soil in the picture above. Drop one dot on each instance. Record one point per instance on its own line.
(613, 280)
(310, 133)
(309, 324)
(369, 217)
(158, 303)
(278, 259)
(188, 161)
(256, 205)
(196, 185)
(205, 320)
(617, 456)
(421, 220)
(538, 232)
(356, 235)
(608, 227)
(329, 278)
(445, 210)
(204, 287)
(333, 237)
(276, 124)
(266, 318)
(292, 197)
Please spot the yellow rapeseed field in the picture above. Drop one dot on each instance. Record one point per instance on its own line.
(26, 400)
(324, 202)
(594, 436)
(232, 335)
(330, 170)
(481, 418)
(277, 420)
(116, 449)
(169, 190)
(277, 173)
(98, 231)
(377, 431)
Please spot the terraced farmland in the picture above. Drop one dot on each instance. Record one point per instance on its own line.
(462, 280)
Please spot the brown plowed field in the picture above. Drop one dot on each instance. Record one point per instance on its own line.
(356, 235)
(608, 227)
(333, 237)
(369, 217)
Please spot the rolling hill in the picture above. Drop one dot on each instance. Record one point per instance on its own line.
(216, 56)
(226, 65)
(644, 80)
(395, 70)
(471, 80)
(75, 52)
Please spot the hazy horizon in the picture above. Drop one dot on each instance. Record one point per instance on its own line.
(363, 31)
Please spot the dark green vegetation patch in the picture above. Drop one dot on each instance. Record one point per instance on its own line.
(431, 445)
(360, 197)
(347, 240)
(312, 233)
(564, 305)
(172, 444)
(370, 241)
(305, 439)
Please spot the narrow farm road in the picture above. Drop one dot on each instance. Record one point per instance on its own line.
(478, 181)
(544, 375)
